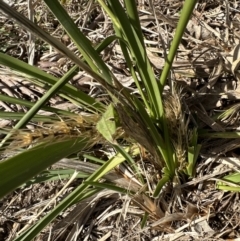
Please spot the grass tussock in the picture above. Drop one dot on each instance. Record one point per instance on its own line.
(144, 163)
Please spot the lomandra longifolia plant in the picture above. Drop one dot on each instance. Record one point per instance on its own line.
(154, 123)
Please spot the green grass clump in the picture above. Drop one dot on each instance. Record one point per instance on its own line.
(156, 123)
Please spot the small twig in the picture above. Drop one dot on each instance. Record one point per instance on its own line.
(207, 177)
(31, 41)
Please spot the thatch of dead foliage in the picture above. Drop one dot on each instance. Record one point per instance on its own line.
(206, 70)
